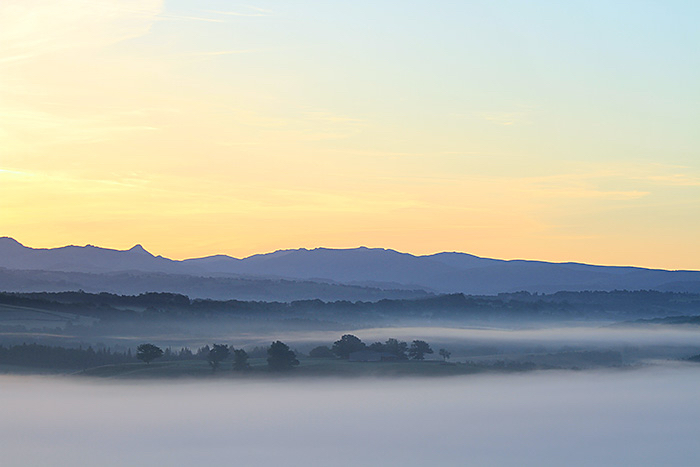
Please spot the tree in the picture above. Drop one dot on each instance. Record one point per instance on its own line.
(419, 349)
(392, 346)
(376, 347)
(444, 354)
(347, 345)
(397, 348)
(280, 357)
(148, 352)
(217, 354)
(322, 351)
(240, 360)
(203, 352)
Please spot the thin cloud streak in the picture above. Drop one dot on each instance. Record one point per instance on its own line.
(258, 12)
(227, 52)
(14, 172)
(189, 18)
(39, 28)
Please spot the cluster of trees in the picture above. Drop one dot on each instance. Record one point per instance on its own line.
(279, 356)
(44, 356)
(349, 343)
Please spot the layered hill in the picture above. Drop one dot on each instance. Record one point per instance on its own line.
(348, 274)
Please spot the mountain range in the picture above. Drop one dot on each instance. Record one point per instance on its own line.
(357, 273)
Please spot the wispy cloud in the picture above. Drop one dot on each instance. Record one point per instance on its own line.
(591, 193)
(13, 172)
(227, 52)
(650, 174)
(251, 11)
(16, 58)
(504, 118)
(578, 185)
(675, 179)
(189, 18)
(262, 10)
(32, 28)
(329, 117)
(57, 128)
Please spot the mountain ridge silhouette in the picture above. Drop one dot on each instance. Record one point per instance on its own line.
(444, 272)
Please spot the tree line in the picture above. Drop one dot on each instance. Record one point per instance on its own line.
(279, 356)
(158, 306)
(400, 350)
(44, 356)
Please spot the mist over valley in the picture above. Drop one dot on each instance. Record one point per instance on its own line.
(644, 417)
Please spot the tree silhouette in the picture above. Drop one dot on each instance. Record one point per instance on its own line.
(148, 352)
(392, 346)
(419, 349)
(347, 345)
(444, 354)
(217, 354)
(240, 360)
(280, 357)
(396, 347)
(322, 351)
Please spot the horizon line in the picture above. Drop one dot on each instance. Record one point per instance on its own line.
(139, 245)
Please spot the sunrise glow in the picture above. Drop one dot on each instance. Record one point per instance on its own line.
(537, 130)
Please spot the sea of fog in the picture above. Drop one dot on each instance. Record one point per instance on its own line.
(571, 335)
(647, 416)
(555, 337)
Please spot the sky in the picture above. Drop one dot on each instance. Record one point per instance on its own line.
(557, 131)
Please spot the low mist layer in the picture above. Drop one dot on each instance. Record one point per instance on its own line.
(640, 417)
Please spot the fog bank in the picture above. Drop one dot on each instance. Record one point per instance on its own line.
(640, 417)
(571, 335)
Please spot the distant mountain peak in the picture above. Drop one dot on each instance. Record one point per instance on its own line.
(138, 248)
(10, 241)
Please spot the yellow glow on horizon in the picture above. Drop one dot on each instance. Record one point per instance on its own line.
(194, 132)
